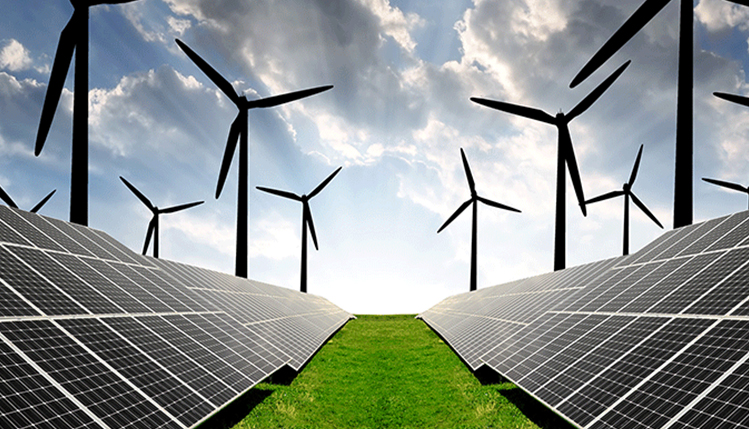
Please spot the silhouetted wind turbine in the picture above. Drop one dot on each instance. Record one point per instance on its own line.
(627, 192)
(684, 146)
(239, 130)
(729, 185)
(306, 220)
(9, 201)
(153, 226)
(73, 37)
(475, 198)
(565, 153)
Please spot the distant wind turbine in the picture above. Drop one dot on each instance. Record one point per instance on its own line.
(565, 153)
(153, 226)
(729, 185)
(73, 37)
(306, 220)
(627, 192)
(683, 210)
(475, 198)
(239, 130)
(9, 201)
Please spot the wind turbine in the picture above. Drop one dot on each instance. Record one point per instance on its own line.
(73, 37)
(627, 192)
(239, 130)
(306, 220)
(475, 198)
(9, 201)
(565, 153)
(683, 211)
(729, 185)
(153, 226)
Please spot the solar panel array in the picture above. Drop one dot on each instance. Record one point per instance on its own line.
(93, 335)
(657, 339)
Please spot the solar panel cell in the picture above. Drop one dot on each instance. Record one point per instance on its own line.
(73, 286)
(9, 235)
(167, 391)
(105, 394)
(669, 284)
(30, 401)
(726, 406)
(691, 372)
(555, 356)
(28, 231)
(207, 385)
(725, 294)
(735, 236)
(111, 290)
(714, 235)
(34, 288)
(50, 231)
(586, 402)
(111, 270)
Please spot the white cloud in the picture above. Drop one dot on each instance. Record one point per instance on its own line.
(15, 57)
(718, 15)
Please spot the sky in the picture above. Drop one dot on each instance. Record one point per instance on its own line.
(403, 72)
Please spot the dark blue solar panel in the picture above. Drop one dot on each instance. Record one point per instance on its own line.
(166, 390)
(115, 402)
(170, 356)
(675, 386)
(30, 401)
(34, 288)
(669, 284)
(73, 286)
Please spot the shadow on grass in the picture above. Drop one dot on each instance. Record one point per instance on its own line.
(233, 413)
(532, 408)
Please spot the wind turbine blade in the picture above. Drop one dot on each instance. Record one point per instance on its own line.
(516, 109)
(63, 57)
(231, 146)
(639, 19)
(285, 98)
(729, 185)
(138, 194)
(41, 203)
(565, 144)
(489, 202)
(284, 194)
(180, 207)
(741, 2)
(151, 228)
(324, 183)
(744, 101)
(8, 200)
(633, 176)
(456, 214)
(209, 71)
(606, 196)
(467, 168)
(596, 93)
(308, 218)
(644, 209)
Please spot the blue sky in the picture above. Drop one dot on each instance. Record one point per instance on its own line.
(403, 73)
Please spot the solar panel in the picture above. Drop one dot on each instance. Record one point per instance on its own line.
(93, 335)
(655, 340)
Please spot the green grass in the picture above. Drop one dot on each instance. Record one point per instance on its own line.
(387, 372)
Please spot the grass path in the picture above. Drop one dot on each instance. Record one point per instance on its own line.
(390, 372)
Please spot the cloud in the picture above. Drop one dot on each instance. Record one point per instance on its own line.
(717, 15)
(15, 57)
